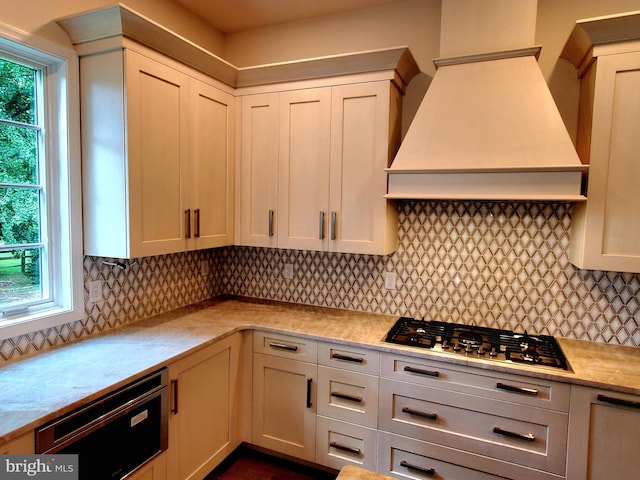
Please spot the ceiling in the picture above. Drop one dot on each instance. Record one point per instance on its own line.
(231, 16)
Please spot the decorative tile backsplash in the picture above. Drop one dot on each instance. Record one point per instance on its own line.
(500, 265)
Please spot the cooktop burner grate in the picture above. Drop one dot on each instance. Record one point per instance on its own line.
(480, 342)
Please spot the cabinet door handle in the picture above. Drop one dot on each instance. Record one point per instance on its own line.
(321, 226)
(333, 225)
(516, 389)
(619, 401)
(347, 358)
(284, 346)
(271, 223)
(418, 413)
(355, 451)
(309, 382)
(529, 437)
(420, 371)
(187, 222)
(174, 396)
(427, 471)
(196, 213)
(344, 396)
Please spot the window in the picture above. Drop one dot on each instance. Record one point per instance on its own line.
(40, 220)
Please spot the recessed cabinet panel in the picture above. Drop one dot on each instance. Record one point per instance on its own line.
(605, 229)
(259, 170)
(212, 120)
(203, 423)
(284, 405)
(339, 444)
(621, 230)
(160, 150)
(303, 195)
(603, 432)
(360, 150)
(158, 154)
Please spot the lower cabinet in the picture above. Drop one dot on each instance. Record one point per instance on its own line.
(284, 395)
(155, 469)
(603, 435)
(450, 418)
(347, 406)
(203, 414)
(408, 458)
(339, 444)
(24, 444)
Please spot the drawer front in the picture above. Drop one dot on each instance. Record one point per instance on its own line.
(532, 391)
(404, 457)
(346, 357)
(348, 396)
(286, 346)
(525, 435)
(339, 444)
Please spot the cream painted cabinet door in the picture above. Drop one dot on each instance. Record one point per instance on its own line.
(363, 129)
(157, 99)
(605, 230)
(603, 435)
(303, 170)
(258, 170)
(203, 421)
(284, 410)
(155, 469)
(134, 114)
(211, 156)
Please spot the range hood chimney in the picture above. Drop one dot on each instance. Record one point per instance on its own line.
(487, 129)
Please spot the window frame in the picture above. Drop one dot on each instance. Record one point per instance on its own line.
(63, 203)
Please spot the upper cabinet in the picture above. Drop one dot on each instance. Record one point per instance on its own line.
(605, 229)
(157, 147)
(311, 165)
(163, 167)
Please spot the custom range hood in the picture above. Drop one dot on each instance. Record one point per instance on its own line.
(487, 129)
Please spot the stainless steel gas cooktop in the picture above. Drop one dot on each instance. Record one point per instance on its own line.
(478, 342)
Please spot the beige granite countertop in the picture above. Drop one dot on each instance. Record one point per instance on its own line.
(41, 387)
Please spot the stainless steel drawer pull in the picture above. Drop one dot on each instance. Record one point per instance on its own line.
(321, 226)
(530, 437)
(516, 389)
(271, 223)
(197, 220)
(333, 225)
(427, 471)
(283, 346)
(347, 358)
(344, 396)
(187, 223)
(355, 451)
(174, 388)
(420, 371)
(418, 413)
(618, 401)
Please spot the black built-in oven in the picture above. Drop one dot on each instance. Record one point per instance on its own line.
(114, 434)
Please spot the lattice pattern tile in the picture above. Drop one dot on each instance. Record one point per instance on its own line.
(496, 264)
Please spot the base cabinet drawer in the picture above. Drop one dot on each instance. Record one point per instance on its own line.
(524, 435)
(340, 443)
(348, 396)
(403, 457)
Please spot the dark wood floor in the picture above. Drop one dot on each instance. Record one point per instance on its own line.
(249, 464)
